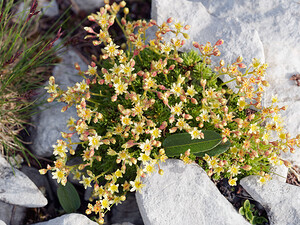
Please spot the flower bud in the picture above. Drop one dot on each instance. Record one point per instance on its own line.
(122, 4)
(219, 42)
(170, 20)
(160, 172)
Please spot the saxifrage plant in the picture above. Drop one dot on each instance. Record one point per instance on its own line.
(144, 101)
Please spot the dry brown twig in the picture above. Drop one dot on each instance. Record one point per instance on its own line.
(296, 78)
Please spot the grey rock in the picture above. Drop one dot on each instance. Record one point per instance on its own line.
(125, 223)
(127, 212)
(239, 40)
(184, 195)
(48, 8)
(17, 189)
(279, 173)
(11, 214)
(69, 219)
(39, 180)
(281, 200)
(89, 5)
(50, 121)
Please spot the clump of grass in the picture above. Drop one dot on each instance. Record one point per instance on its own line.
(24, 59)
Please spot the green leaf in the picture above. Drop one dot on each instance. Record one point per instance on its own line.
(249, 215)
(247, 205)
(259, 220)
(68, 197)
(241, 211)
(177, 144)
(223, 147)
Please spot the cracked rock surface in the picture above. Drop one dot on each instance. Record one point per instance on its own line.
(184, 195)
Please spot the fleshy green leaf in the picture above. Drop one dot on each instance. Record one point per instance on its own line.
(177, 144)
(68, 197)
(259, 220)
(223, 147)
(247, 205)
(241, 211)
(249, 215)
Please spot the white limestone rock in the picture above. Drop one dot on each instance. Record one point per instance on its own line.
(184, 195)
(281, 200)
(17, 189)
(2, 222)
(239, 40)
(50, 121)
(89, 5)
(279, 173)
(69, 219)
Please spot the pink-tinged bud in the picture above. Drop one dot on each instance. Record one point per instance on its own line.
(200, 125)
(173, 130)
(90, 30)
(241, 65)
(64, 108)
(239, 59)
(188, 117)
(182, 42)
(153, 22)
(140, 73)
(194, 101)
(196, 44)
(132, 63)
(106, 141)
(179, 60)
(208, 61)
(198, 118)
(93, 64)
(130, 144)
(225, 109)
(217, 53)
(136, 52)
(162, 87)
(77, 67)
(172, 119)
(170, 20)
(105, 56)
(154, 74)
(224, 70)
(187, 27)
(114, 98)
(165, 71)
(182, 98)
(101, 81)
(203, 82)
(91, 18)
(247, 167)
(219, 42)
(172, 67)
(163, 125)
(160, 95)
